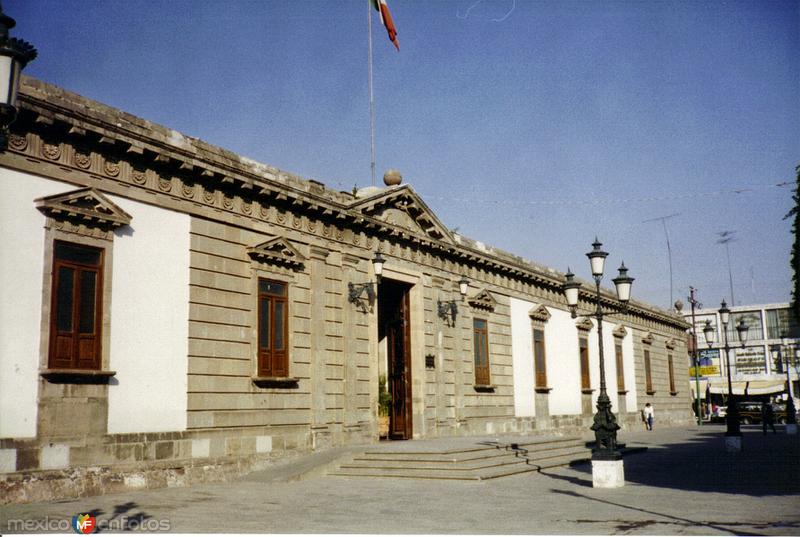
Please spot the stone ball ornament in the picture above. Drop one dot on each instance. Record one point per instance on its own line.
(392, 177)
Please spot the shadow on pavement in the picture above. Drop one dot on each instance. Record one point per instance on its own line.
(766, 466)
(678, 522)
(121, 519)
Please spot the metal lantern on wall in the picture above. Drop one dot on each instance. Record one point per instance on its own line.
(15, 54)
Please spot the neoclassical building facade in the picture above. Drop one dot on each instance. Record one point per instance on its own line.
(175, 313)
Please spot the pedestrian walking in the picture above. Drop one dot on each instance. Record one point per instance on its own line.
(648, 416)
(767, 417)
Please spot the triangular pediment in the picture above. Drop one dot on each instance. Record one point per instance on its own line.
(403, 208)
(84, 206)
(648, 338)
(539, 313)
(483, 300)
(279, 251)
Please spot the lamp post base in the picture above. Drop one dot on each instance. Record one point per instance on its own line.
(791, 428)
(733, 443)
(608, 474)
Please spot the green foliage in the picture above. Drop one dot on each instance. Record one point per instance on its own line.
(384, 397)
(795, 257)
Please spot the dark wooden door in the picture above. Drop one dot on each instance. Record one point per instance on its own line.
(399, 358)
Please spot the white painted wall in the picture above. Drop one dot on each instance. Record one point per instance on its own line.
(610, 359)
(630, 371)
(21, 274)
(522, 357)
(149, 321)
(563, 363)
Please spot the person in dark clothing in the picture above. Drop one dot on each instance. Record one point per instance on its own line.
(767, 417)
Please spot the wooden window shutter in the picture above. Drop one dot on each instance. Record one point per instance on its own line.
(273, 331)
(480, 330)
(76, 308)
(540, 362)
(648, 372)
(620, 368)
(584, 356)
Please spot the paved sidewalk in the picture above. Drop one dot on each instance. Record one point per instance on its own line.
(685, 484)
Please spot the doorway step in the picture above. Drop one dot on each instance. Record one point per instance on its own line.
(473, 460)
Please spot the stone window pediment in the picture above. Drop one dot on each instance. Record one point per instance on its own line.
(648, 339)
(278, 251)
(539, 313)
(483, 300)
(584, 323)
(620, 331)
(402, 207)
(84, 207)
(670, 344)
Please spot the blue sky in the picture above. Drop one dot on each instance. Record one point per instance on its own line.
(531, 126)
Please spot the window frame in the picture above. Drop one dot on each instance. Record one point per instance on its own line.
(94, 363)
(585, 365)
(266, 366)
(648, 373)
(539, 358)
(482, 373)
(619, 355)
(671, 372)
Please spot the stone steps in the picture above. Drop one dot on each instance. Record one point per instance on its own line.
(471, 463)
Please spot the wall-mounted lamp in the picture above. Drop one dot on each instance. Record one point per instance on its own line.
(14, 56)
(448, 309)
(363, 294)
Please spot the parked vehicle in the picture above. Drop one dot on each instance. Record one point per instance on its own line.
(750, 412)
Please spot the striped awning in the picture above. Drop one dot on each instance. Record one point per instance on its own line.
(741, 387)
(703, 386)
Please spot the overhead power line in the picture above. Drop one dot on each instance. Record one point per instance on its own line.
(606, 201)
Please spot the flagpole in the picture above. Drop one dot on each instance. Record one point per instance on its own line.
(371, 97)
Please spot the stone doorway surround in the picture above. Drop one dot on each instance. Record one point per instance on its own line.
(415, 290)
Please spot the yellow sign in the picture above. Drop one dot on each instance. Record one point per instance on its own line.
(705, 371)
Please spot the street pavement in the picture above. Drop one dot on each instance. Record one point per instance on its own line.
(684, 484)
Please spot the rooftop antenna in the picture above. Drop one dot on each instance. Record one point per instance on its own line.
(726, 237)
(669, 248)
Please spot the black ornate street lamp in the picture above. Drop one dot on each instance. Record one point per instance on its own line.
(15, 54)
(605, 424)
(732, 412)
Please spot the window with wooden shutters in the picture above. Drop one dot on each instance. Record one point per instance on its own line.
(75, 318)
(620, 367)
(540, 363)
(648, 373)
(273, 314)
(672, 390)
(480, 333)
(583, 345)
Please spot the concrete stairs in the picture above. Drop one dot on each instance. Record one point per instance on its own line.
(475, 461)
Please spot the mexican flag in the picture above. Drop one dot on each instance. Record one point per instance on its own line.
(386, 18)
